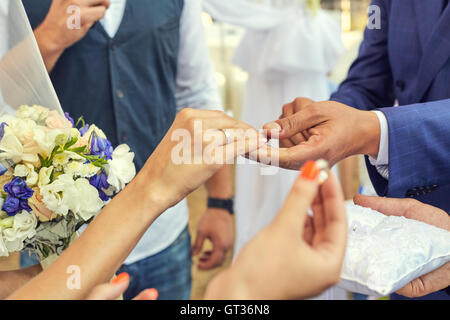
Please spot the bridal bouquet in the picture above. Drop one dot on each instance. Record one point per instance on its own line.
(54, 178)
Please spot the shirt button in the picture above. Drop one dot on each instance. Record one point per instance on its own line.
(124, 137)
(113, 46)
(120, 94)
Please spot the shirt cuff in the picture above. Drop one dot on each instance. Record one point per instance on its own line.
(383, 151)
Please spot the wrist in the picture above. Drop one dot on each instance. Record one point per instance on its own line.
(149, 194)
(227, 286)
(48, 42)
(222, 204)
(370, 132)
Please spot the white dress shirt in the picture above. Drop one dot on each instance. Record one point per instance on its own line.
(382, 161)
(195, 88)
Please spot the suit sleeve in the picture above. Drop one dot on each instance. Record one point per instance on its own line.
(419, 148)
(369, 83)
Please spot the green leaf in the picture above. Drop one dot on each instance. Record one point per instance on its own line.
(78, 149)
(42, 160)
(70, 143)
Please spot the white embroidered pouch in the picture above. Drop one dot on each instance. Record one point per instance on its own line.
(384, 253)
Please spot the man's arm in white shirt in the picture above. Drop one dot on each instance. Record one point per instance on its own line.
(196, 86)
(382, 161)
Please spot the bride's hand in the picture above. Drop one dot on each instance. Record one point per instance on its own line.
(294, 257)
(195, 148)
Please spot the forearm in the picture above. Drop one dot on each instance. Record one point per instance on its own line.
(416, 136)
(101, 249)
(10, 281)
(50, 51)
(220, 185)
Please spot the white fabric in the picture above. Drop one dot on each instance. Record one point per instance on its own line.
(288, 53)
(384, 253)
(195, 88)
(23, 76)
(382, 161)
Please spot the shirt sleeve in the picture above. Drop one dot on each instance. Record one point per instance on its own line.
(196, 86)
(382, 161)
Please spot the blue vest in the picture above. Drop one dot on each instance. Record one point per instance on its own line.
(124, 85)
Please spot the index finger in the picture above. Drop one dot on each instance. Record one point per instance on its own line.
(288, 158)
(335, 220)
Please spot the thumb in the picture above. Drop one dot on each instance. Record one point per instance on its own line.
(149, 294)
(290, 126)
(108, 291)
(300, 197)
(387, 206)
(200, 239)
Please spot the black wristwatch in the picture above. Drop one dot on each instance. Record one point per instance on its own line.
(227, 204)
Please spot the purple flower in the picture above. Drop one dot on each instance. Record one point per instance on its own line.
(68, 117)
(24, 205)
(84, 129)
(18, 189)
(101, 147)
(2, 129)
(100, 182)
(11, 206)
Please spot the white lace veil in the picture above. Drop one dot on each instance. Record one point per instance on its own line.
(23, 76)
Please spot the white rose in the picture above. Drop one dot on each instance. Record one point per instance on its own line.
(24, 227)
(121, 169)
(90, 202)
(55, 195)
(78, 196)
(26, 171)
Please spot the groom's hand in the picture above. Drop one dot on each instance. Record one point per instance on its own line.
(328, 130)
(413, 209)
(216, 225)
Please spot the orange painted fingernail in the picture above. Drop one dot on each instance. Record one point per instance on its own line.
(310, 171)
(121, 278)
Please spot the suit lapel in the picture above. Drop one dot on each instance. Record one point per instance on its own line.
(436, 51)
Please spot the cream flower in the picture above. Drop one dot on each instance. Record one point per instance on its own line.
(24, 227)
(38, 207)
(120, 169)
(35, 113)
(13, 150)
(57, 121)
(62, 159)
(79, 169)
(22, 129)
(45, 138)
(44, 176)
(26, 171)
(3, 250)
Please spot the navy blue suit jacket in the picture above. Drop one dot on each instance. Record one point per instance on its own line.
(408, 61)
